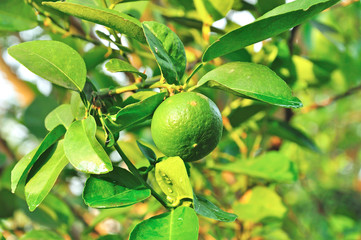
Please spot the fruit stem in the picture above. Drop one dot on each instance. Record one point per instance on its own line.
(136, 173)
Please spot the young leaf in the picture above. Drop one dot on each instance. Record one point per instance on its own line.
(168, 50)
(270, 166)
(260, 203)
(53, 61)
(107, 17)
(134, 113)
(23, 166)
(118, 188)
(286, 131)
(43, 175)
(205, 208)
(16, 15)
(172, 178)
(83, 150)
(250, 80)
(179, 224)
(274, 22)
(148, 153)
(61, 115)
(117, 65)
(41, 234)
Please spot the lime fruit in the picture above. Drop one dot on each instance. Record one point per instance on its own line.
(188, 125)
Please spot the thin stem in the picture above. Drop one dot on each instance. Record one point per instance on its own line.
(136, 86)
(136, 173)
(331, 100)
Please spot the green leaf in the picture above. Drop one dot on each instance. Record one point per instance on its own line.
(53, 61)
(205, 208)
(148, 153)
(118, 188)
(83, 150)
(109, 18)
(178, 224)
(77, 106)
(16, 15)
(137, 97)
(212, 10)
(134, 113)
(285, 131)
(168, 50)
(172, 178)
(270, 166)
(276, 21)
(61, 115)
(258, 204)
(41, 235)
(117, 65)
(23, 166)
(250, 80)
(43, 175)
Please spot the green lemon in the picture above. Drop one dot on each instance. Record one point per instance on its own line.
(188, 125)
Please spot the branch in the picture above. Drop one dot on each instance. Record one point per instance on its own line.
(331, 100)
(25, 94)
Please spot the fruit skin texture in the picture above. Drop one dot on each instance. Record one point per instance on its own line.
(188, 125)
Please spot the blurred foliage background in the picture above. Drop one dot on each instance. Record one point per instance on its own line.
(314, 194)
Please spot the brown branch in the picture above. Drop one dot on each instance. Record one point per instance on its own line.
(6, 149)
(331, 100)
(25, 94)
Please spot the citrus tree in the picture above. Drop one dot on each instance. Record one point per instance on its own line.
(163, 116)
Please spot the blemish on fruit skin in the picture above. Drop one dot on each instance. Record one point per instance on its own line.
(193, 103)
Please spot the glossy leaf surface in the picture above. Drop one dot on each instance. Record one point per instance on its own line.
(274, 22)
(168, 50)
(118, 188)
(53, 61)
(23, 166)
(43, 175)
(110, 18)
(178, 224)
(252, 81)
(83, 150)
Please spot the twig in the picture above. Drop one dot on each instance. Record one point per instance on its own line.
(25, 94)
(331, 100)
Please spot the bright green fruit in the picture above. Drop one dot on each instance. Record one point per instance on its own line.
(188, 125)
